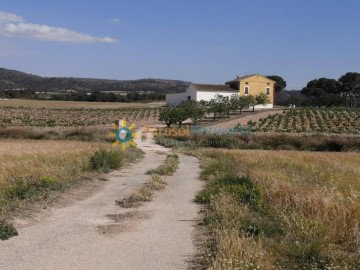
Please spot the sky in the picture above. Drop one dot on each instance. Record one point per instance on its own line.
(203, 41)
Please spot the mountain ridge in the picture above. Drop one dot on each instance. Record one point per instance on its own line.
(18, 80)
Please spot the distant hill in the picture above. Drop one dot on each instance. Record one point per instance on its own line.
(16, 80)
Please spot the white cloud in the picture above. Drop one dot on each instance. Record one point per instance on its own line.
(9, 17)
(12, 25)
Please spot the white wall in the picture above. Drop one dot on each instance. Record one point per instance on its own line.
(266, 106)
(208, 95)
(175, 99)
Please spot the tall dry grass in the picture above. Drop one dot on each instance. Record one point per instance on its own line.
(28, 165)
(310, 214)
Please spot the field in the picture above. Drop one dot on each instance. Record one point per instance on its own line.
(281, 209)
(312, 120)
(29, 167)
(73, 117)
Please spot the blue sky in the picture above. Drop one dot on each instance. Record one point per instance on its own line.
(208, 41)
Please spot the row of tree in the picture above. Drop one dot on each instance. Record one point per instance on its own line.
(198, 110)
(331, 92)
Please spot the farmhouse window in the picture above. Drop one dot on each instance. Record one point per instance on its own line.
(268, 91)
(246, 90)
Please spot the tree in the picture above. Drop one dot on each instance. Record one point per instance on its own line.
(193, 109)
(261, 99)
(245, 102)
(350, 86)
(240, 102)
(225, 101)
(317, 87)
(252, 101)
(168, 115)
(215, 107)
(280, 82)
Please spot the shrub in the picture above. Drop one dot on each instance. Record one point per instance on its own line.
(7, 230)
(241, 188)
(104, 161)
(27, 187)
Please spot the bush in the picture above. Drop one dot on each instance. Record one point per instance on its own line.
(104, 161)
(7, 230)
(27, 187)
(241, 188)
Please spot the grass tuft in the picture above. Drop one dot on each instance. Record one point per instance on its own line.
(157, 181)
(7, 230)
(168, 168)
(106, 160)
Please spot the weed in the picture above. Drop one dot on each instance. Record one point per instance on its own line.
(168, 168)
(7, 230)
(156, 182)
(106, 160)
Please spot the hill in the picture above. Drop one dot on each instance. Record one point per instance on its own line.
(16, 80)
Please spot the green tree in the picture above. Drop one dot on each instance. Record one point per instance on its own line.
(280, 82)
(350, 86)
(193, 109)
(225, 101)
(261, 99)
(215, 107)
(168, 115)
(245, 102)
(320, 86)
(240, 102)
(252, 101)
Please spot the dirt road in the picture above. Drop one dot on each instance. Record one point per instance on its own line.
(94, 233)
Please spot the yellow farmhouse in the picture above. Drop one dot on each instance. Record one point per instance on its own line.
(243, 86)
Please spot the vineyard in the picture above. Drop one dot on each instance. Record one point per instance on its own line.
(311, 120)
(62, 117)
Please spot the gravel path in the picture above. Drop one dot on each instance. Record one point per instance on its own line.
(94, 233)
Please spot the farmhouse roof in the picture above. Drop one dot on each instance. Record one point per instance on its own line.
(214, 87)
(240, 78)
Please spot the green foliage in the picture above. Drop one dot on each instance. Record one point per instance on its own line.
(25, 188)
(241, 188)
(7, 230)
(169, 115)
(261, 99)
(330, 92)
(104, 161)
(217, 106)
(280, 82)
(193, 109)
(317, 86)
(350, 84)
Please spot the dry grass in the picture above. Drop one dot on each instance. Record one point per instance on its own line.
(21, 158)
(70, 104)
(157, 181)
(309, 214)
(28, 167)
